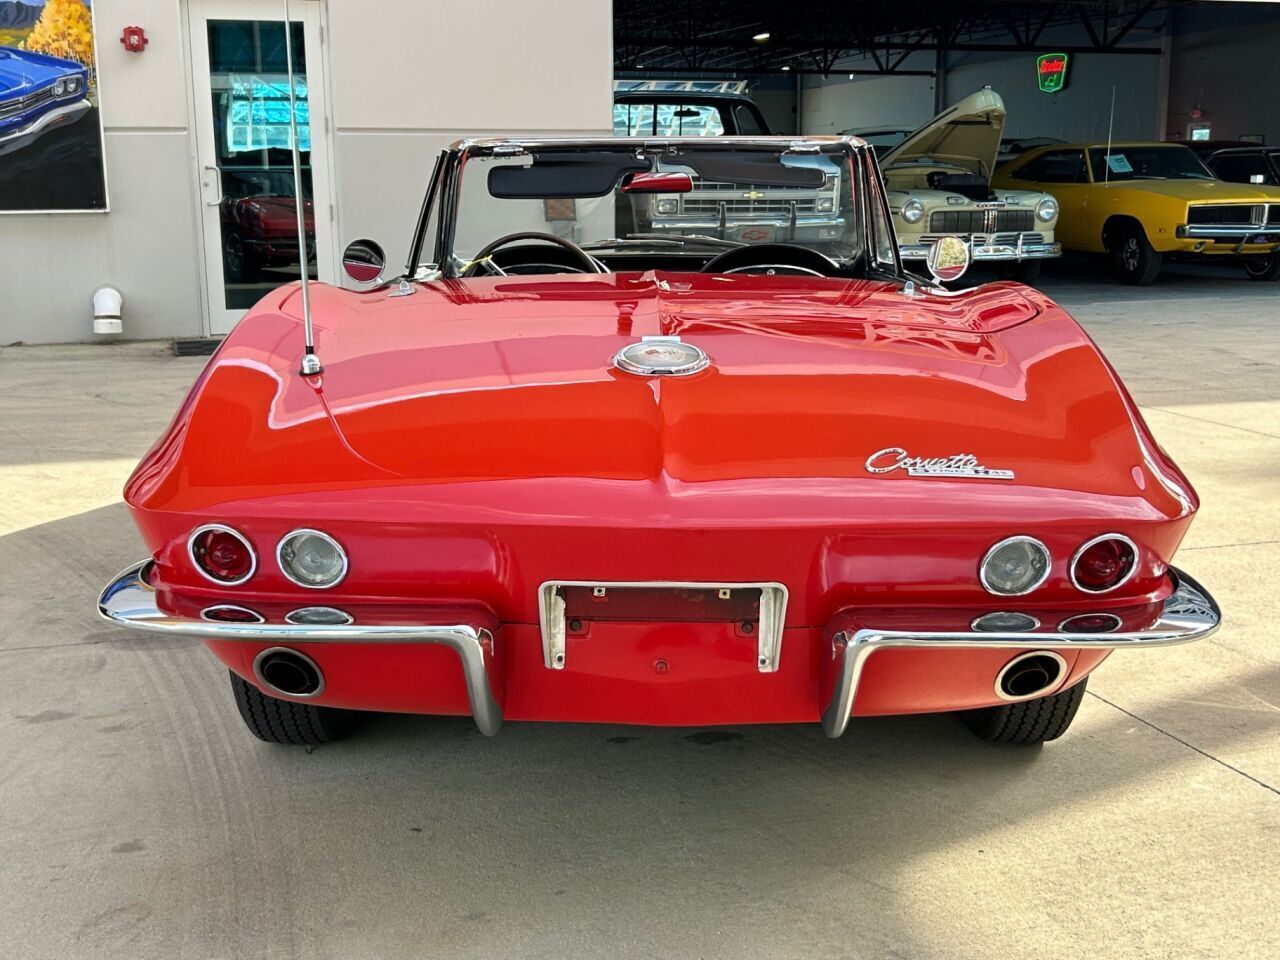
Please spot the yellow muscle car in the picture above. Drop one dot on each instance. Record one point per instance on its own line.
(1141, 202)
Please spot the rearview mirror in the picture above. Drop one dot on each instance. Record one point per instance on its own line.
(363, 261)
(948, 259)
(658, 183)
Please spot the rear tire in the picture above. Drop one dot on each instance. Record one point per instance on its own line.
(284, 721)
(1135, 261)
(1263, 268)
(1027, 721)
(1022, 271)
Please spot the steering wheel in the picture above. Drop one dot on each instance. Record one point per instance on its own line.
(773, 258)
(589, 263)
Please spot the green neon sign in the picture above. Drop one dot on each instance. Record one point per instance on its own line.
(1051, 71)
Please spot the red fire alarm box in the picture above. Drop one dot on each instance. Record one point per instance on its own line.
(134, 39)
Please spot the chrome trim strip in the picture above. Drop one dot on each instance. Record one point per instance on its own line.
(1043, 691)
(1075, 558)
(1194, 230)
(346, 565)
(1021, 538)
(1022, 251)
(191, 554)
(257, 673)
(130, 601)
(1189, 614)
(37, 127)
(773, 614)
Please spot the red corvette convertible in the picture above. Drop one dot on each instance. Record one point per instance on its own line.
(568, 468)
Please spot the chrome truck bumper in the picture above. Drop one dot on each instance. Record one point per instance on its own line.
(989, 249)
(130, 601)
(22, 136)
(1189, 613)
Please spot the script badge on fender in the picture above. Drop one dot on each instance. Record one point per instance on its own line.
(957, 465)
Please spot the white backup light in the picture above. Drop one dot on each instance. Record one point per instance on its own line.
(1015, 566)
(312, 559)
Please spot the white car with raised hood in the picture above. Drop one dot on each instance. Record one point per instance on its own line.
(939, 182)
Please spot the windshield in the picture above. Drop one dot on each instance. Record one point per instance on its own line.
(713, 197)
(1147, 163)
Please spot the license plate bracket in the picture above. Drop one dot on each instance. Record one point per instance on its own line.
(762, 604)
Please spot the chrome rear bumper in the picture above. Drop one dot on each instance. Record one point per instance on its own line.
(130, 601)
(1189, 614)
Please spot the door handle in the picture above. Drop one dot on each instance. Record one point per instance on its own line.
(217, 179)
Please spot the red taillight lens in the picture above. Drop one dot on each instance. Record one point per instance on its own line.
(222, 555)
(229, 614)
(1104, 564)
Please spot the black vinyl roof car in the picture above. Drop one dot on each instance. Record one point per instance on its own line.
(1254, 164)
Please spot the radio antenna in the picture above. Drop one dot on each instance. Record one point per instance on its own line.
(310, 362)
(1111, 122)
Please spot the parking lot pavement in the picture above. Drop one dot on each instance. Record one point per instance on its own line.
(139, 819)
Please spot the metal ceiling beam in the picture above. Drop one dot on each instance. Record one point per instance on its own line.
(805, 47)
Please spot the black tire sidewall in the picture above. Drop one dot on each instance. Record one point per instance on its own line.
(1134, 259)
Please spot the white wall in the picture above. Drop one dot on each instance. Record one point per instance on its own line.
(146, 245)
(406, 82)
(1078, 112)
(446, 71)
(839, 103)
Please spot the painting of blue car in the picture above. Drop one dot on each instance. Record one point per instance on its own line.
(52, 158)
(38, 93)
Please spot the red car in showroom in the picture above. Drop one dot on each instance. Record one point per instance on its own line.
(566, 468)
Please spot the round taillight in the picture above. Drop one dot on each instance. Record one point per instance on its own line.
(312, 559)
(1104, 563)
(1015, 566)
(230, 613)
(1090, 623)
(221, 554)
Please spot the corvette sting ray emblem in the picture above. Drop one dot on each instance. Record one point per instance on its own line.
(957, 465)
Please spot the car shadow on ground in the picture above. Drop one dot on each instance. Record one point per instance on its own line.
(605, 824)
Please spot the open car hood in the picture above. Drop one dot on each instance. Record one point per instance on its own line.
(969, 130)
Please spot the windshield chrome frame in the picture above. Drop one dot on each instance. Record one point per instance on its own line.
(447, 179)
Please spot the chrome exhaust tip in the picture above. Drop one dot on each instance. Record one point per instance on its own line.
(288, 672)
(1030, 675)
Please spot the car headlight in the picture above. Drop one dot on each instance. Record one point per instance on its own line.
(667, 205)
(59, 88)
(73, 84)
(825, 204)
(1047, 209)
(913, 211)
(311, 559)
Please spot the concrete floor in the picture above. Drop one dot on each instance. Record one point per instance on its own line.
(139, 819)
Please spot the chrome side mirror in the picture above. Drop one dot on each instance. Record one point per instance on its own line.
(948, 259)
(363, 261)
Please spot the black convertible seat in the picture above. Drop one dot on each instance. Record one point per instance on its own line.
(966, 184)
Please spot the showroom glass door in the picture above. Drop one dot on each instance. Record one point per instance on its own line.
(248, 197)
